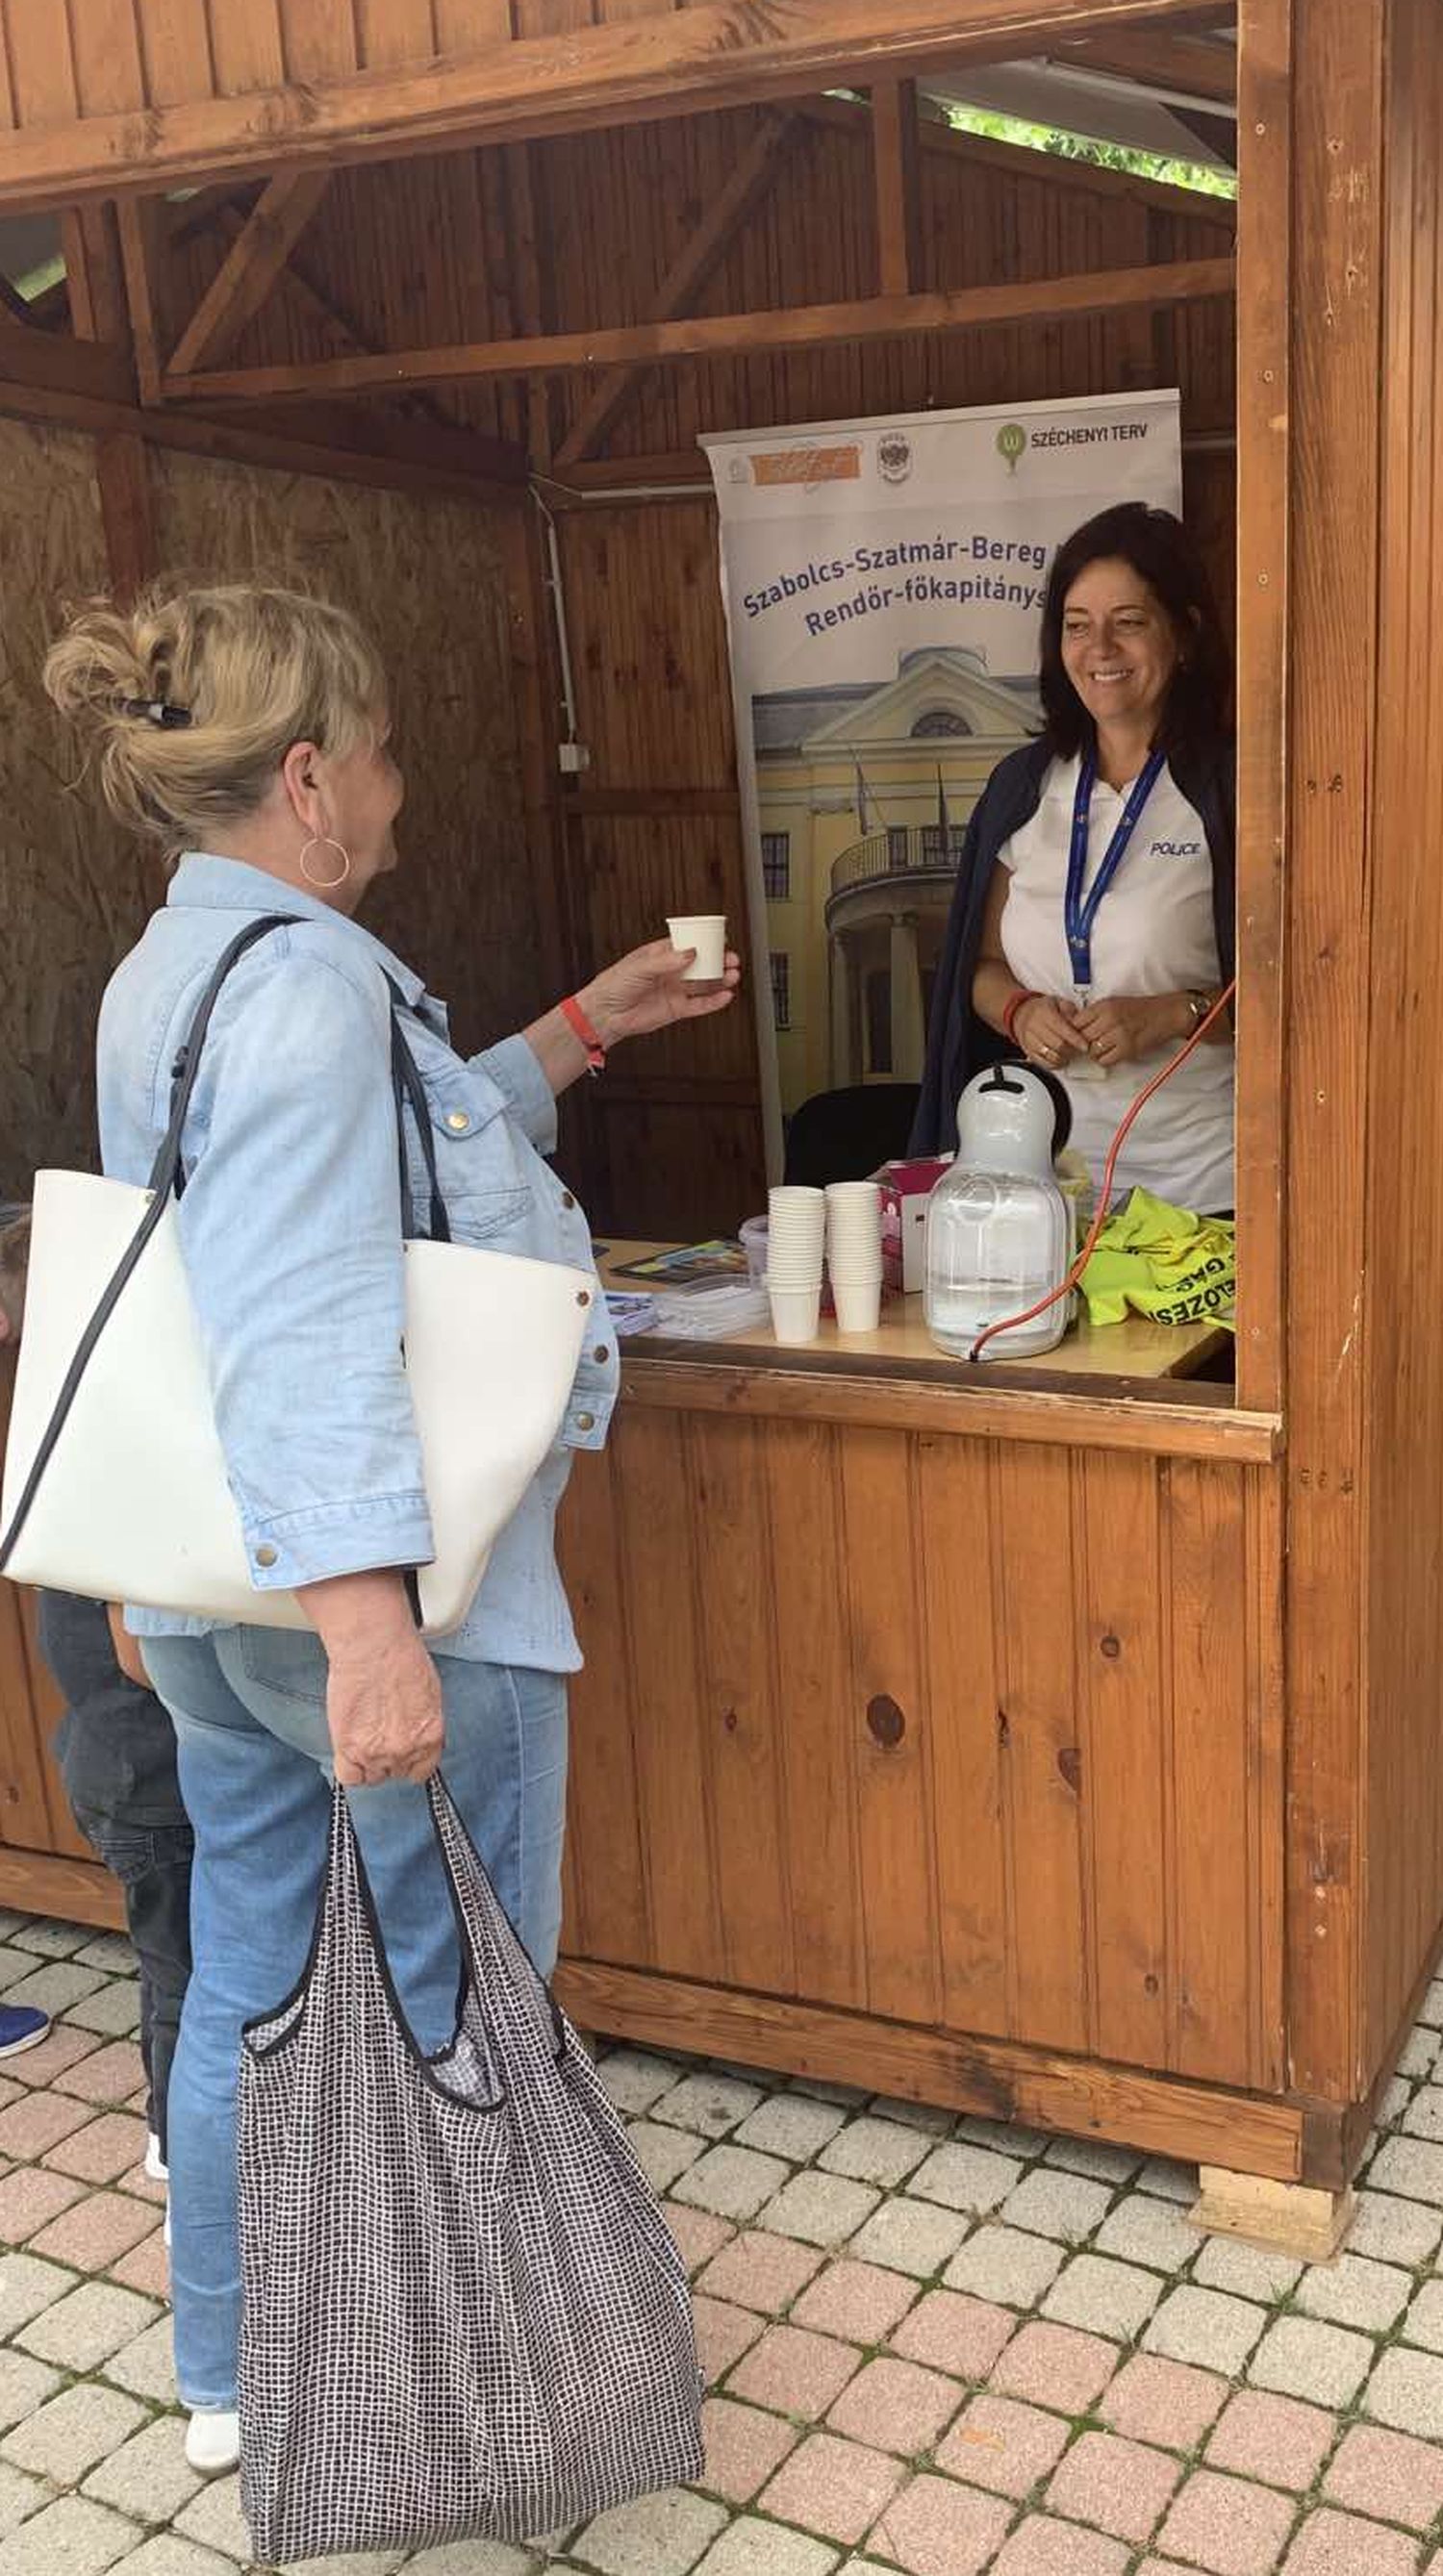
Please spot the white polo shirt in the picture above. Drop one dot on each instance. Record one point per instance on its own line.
(1154, 933)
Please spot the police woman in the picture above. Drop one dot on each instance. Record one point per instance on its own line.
(1092, 926)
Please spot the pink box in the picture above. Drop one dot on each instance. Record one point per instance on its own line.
(906, 1188)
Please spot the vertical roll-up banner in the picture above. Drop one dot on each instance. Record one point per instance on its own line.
(883, 583)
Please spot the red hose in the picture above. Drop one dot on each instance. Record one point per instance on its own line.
(1010, 1323)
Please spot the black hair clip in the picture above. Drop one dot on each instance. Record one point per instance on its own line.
(158, 711)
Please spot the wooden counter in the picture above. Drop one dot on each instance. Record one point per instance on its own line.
(931, 1735)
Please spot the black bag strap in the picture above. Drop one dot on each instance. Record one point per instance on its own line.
(409, 1090)
(167, 1177)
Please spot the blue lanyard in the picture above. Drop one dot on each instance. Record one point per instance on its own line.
(1080, 913)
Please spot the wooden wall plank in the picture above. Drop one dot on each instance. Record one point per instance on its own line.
(891, 1728)
(818, 1750)
(1034, 1597)
(655, 1503)
(1125, 1753)
(742, 1715)
(610, 1858)
(1210, 1821)
(1333, 585)
(975, 1902)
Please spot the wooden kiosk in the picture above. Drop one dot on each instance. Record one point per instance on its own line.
(1057, 1747)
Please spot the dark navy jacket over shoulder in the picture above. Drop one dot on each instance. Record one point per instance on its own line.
(959, 1044)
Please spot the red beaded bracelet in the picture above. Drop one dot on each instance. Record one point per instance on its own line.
(1009, 1016)
(581, 1028)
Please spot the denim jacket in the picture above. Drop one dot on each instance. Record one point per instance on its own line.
(290, 1225)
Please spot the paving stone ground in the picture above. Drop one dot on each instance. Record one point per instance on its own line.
(936, 2347)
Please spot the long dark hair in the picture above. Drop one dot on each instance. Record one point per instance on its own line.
(1160, 551)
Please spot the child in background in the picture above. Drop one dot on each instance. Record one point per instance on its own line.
(115, 1747)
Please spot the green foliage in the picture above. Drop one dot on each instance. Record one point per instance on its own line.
(1103, 156)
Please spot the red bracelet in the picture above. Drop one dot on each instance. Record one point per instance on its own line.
(581, 1028)
(1009, 1016)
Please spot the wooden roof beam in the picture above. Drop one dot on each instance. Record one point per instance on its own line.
(250, 269)
(695, 263)
(725, 335)
(718, 53)
(1160, 60)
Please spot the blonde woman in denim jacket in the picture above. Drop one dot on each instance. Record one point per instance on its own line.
(246, 731)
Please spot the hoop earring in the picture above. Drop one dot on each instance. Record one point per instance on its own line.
(323, 841)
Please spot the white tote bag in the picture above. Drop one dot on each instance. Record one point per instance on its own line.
(115, 1483)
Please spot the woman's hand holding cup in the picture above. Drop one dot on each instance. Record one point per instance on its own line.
(649, 990)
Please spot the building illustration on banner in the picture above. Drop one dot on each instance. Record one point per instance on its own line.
(884, 583)
(864, 793)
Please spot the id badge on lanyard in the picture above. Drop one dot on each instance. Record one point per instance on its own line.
(1080, 910)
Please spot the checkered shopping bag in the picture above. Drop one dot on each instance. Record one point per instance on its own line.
(463, 2313)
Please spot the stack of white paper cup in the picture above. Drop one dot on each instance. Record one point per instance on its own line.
(796, 1240)
(854, 1254)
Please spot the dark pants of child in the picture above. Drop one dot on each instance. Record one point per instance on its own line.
(116, 1749)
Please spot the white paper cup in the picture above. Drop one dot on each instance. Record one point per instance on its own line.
(859, 1194)
(858, 1304)
(796, 1312)
(706, 932)
(868, 1268)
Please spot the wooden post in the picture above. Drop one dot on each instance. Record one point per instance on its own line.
(896, 164)
(1264, 457)
(137, 218)
(1338, 148)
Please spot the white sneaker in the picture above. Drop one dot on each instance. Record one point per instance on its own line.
(212, 2440)
(156, 2169)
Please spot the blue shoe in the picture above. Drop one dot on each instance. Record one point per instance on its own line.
(21, 2026)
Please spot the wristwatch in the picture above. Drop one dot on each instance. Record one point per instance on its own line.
(1199, 1005)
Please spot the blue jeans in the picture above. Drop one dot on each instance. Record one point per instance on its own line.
(249, 1711)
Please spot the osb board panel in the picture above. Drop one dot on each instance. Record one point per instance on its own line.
(1403, 1864)
(424, 573)
(806, 1762)
(73, 892)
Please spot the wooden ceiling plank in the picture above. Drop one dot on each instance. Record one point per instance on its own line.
(882, 317)
(319, 37)
(696, 262)
(395, 31)
(175, 52)
(679, 62)
(896, 170)
(108, 74)
(250, 268)
(246, 46)
(42, 63)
